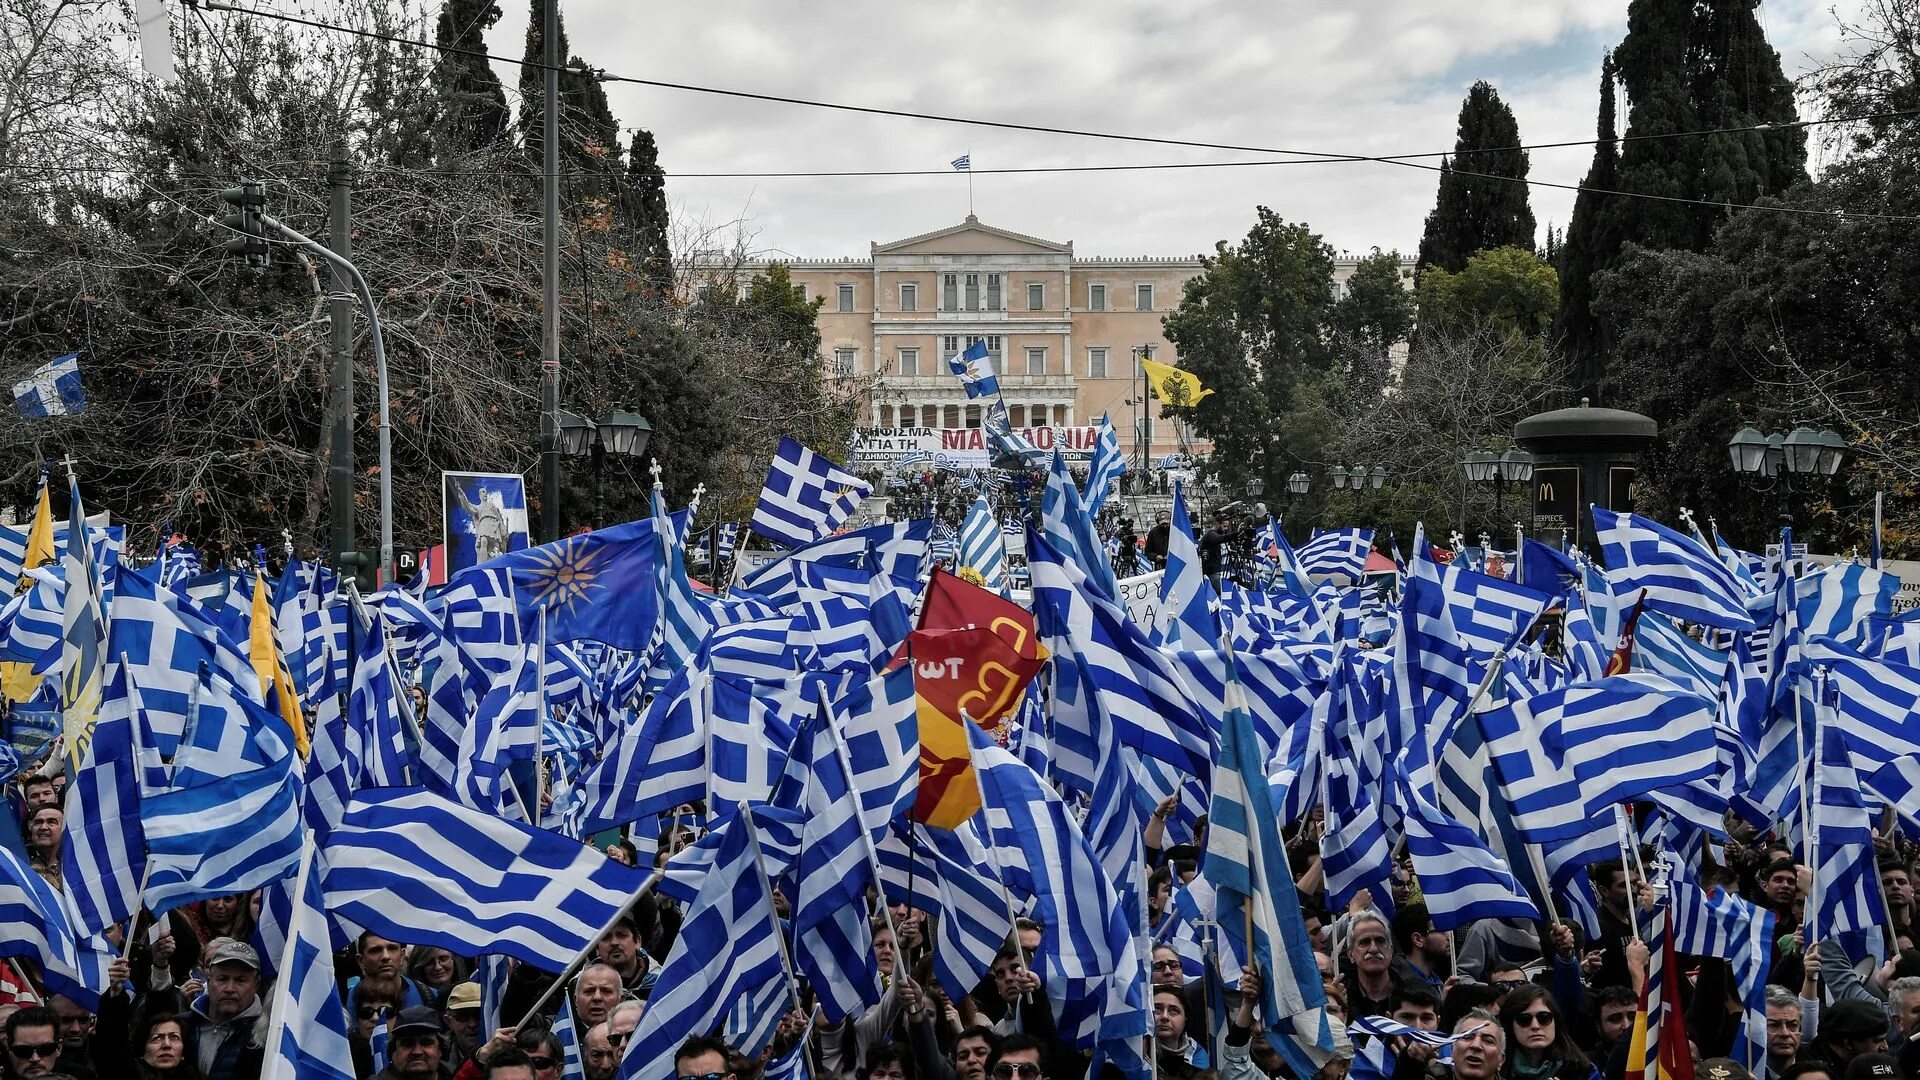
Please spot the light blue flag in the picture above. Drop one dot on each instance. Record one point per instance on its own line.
(1246, 862)
(308, 1035)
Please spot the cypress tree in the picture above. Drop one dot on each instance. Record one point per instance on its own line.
(1703, 66)
(589, 134)
(643, 205)
(1587, 247)
(473, 104)
(1472, 212)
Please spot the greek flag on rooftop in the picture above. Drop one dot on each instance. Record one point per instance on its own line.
(805, 496)
(412, 866)
(1677, 575)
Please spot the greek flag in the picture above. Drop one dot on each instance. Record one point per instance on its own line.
(728, 950)
(832, 944)
(683, 621)
(1874, 702)
(729, 533)
(33, 924)
(980, 547)
(655, 762)
(504, 733)
(1247, 865)
(1850, 909)
(1661, 648)
(378, 750)
(1676, 574)
(1102, 661)
(224, 817)
(963, 162)
(1838, 602)
(103, 850)
(566, 1034)
(307, 1037)
(1109, 464)
(1566, 756)
(974, 368)
(1000, 431)
(52, 390)
(1337, 553)
(805, 496)
(412, 866)
(1719, 923)
(750, 727)
(1069, 528)
(1460, 878)
(1898, 782)
(1188, 615)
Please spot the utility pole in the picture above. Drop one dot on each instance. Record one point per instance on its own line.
(550, 278)
(340, 389)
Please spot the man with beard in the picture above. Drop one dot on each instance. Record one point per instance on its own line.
(1426, 956)
(381, 963)
(416, 1050)
(619, 948)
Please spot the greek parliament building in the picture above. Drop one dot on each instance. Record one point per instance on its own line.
(1064, 332)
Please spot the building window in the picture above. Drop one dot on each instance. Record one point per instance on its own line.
(910, 362)
(973, 292)
(1096, 363)
(1143, 297)
(952, 416)
(846, 298)
(909, 298)
(1036, 361)
(883, 415)
(806, 291)
(1097, 297)
(700, 292)
(993, 293)
(973, 416)
(949, 292)
(1017, 416)
(929, 416)
(1036, 296)
(843, 361)
(949, 346)
(1059, 416)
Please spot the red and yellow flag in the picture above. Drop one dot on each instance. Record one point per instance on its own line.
(1622, 661)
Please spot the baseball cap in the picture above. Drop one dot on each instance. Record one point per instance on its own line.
(418, 1018)
(464, 996)
(1873, 1067)
(1723, 1069)
(229, 951)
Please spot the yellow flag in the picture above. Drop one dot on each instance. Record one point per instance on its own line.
(18, 681)
(276, 684)
(1173, 385)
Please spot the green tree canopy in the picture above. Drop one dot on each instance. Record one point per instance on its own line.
(1482, 202)
(1509, 289)
(1374, 313)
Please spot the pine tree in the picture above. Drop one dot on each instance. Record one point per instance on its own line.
(643, 211)
(473, 104)
(1587, 247)
(1473, 212)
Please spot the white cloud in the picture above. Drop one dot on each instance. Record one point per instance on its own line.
(1367, 76)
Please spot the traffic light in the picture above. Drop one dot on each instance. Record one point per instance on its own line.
(251, 242)
(361, 565)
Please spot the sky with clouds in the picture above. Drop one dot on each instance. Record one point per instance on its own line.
(1374, 77)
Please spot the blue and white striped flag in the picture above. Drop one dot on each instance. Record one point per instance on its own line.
(655, 761)
(1567, 756)
(102, 849)
(1460, 878)
(1247, 864)
(963, 163)
(566, 1035)
(1676, 574)
(1898, 782)
(683, 622)
(412, 866)
(805, 496)
(1838, 601)
(1108, 465)
(1874, 702)
(1849, 908)
(980, 546)
(728, 950)
(52, 390)
(1188, 615)
(1721, 924)
(1337, 553)
(307, 1037)
(34, 924)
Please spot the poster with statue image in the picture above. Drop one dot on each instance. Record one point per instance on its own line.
(484, 516)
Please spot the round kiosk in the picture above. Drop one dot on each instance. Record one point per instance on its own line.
(1581, 456)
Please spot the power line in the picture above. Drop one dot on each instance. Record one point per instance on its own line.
(1300, 157)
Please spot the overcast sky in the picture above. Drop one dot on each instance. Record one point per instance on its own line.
(1374, 77)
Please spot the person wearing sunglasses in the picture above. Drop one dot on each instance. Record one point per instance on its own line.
(33, 1043)
(1539, 1046)
(702, 1057)
(1017, 1058)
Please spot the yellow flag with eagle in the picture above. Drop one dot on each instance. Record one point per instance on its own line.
(1173, 385)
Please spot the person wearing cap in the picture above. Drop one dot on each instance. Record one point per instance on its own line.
(463, 1017)
(222, 1023)
(1849, 1029)
(1722, 1069)
(416, 1048)
(1872, 1067)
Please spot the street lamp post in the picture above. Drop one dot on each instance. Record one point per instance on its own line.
(1774, 462)
(616, 432)
(1497, 471)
